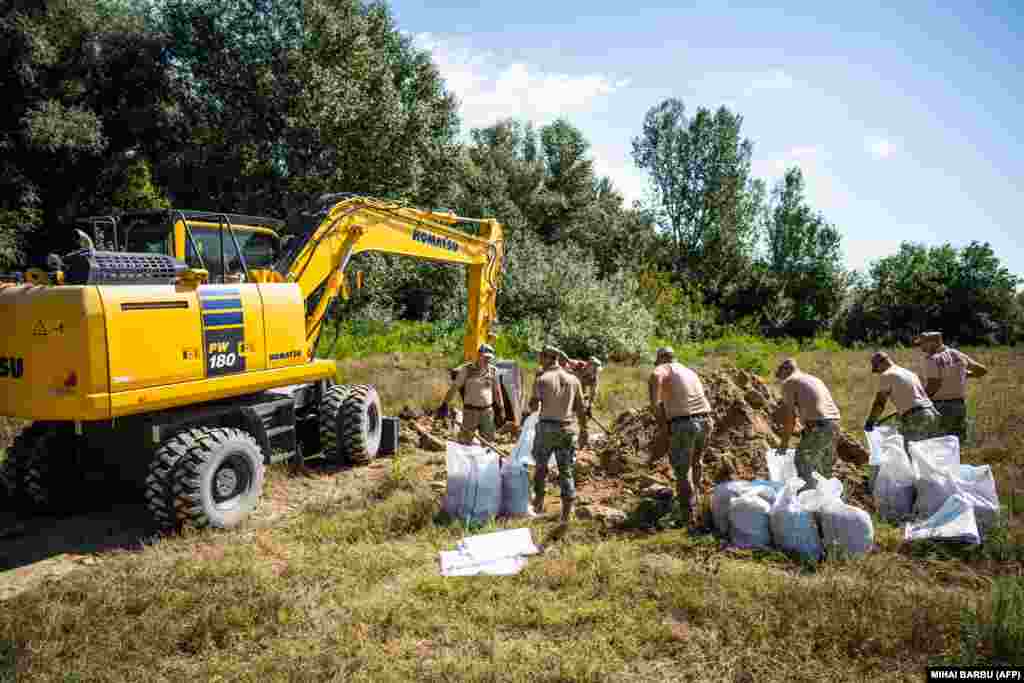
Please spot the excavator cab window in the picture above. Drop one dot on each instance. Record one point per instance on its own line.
(148, 238)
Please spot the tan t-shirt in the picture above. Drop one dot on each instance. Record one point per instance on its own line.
(810, 397)
(904, 388)
(560, 395)
(479, 385)
(950, 366)
(680, 390)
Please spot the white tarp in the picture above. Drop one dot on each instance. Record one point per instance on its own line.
(499, 553)
(954, 521)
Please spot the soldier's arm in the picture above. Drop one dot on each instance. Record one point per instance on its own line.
(578, 406)
(460, 379)
(535, 395)
(652, 391)
(878, 406)
(499, 398)
(933, 386)
(788, 419)
(974, 368)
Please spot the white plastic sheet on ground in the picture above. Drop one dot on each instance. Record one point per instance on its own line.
(781, 466)
(955, 521)
(749, 520)
(879, 438)
(793, 527)
(894, 485)
(500, 553)
(474, 483)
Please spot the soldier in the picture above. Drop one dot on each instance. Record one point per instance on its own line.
(946, 373)
(677, 395)
(918, 418)
(559, 396)
(587, 371)
(481, 394)
(807, 395)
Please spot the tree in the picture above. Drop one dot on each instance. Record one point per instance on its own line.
(85, 88)
(804, 259)
(706, 201)
(966, 293)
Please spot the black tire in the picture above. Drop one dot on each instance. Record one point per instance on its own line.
(350, 423)
(31, 471)
(205, 477)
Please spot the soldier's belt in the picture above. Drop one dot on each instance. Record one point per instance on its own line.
(694, 416)
(469, 407)
(914, 411)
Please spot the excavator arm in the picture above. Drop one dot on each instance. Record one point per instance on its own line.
(317, 259)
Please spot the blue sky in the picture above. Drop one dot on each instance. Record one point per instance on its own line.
(901, 115)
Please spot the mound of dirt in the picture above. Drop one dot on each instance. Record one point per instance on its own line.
(745, 413)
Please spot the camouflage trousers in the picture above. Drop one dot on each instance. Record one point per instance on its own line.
(816, 451)
(920, 425)
(474, 419)
(953, 418)
(557, 438)
(690, 436)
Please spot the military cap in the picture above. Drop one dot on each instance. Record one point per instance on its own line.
(927, 336)
(487, 350)
(878, 357)
(555, 351)
(665, 351)
(595, 360)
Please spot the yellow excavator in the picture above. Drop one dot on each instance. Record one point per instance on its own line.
(189, 387)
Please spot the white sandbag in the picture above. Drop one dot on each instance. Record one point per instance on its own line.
(977, 485)
(749, 525)
(955, 521)
(515, 489)
(474, 483)
(721, 495)
(793, 528)
(942, 451)
(846, 527)
(934, 484)
(878, 438)
(894, 485)
(824, 490)
(523, 452)
(769, 490)
(781, 466)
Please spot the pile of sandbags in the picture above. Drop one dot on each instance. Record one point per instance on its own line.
(765, 514)
(929, 490)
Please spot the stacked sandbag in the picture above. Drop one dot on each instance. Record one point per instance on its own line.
(474, 483)
(793, 527)
(721, 496)
(749, 521)
(941, 476)
(844, 527)
(954, 522)
(894, 486)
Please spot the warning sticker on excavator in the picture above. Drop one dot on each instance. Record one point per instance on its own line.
(40, 329)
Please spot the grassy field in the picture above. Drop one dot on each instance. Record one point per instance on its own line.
(350, 589)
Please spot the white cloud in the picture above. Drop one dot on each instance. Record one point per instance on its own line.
(879, 148)
(629, 180)
(489, 91)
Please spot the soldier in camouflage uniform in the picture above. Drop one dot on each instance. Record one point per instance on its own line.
(806, 395)
(559, 396)
(482, 398)
(677, 394)
(587, 372)
(946, 374)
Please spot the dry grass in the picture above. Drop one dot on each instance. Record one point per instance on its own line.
(348, 589)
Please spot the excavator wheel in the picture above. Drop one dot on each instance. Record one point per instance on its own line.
(350, 423)
(205, 477)
(30, 473)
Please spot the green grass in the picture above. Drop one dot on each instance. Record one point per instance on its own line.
(352, 592)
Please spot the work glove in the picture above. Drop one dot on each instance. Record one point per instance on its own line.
(869, 426)
(442, 411)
